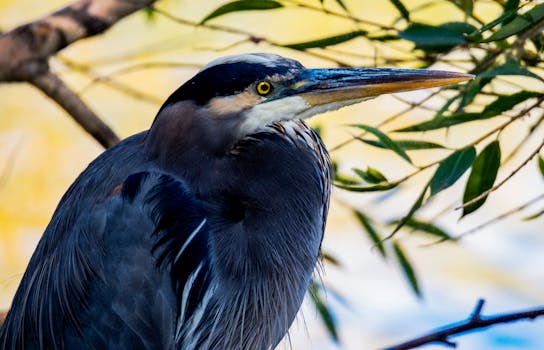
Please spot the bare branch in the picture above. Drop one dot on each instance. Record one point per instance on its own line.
(55, 88)
(25, 51)
(473, 322)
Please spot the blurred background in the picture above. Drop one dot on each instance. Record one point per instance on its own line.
(124, 75)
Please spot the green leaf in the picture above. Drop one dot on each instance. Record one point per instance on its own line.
(541, 164)
(407, 269)
(428, 228)
(511, 5)
(407, 145)
(402, 9)
(330, 41)
(371, 231)
(507, 16)
(149, 14)
(330, 259)
(451, 169)
(371, 175)
(324, 312)
(385, 140)
(510, 67)
(534, 216)
(482, 177)
(432, 39)
(505, 103)
(367, 188)
(497, 107)
(465, 5)
(417, 204)
(342, 5)
(242, 5)
(518, 25)
(345, 180)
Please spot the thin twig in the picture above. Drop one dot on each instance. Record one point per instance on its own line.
(502, 216)
(340, 15)
(474, 322)
(251, 37)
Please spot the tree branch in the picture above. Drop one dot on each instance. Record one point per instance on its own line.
(473, 322)
(25, 51)
(55, 88)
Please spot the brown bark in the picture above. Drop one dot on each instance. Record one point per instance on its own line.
(25, 51)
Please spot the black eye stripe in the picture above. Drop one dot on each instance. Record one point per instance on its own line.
(227, 79)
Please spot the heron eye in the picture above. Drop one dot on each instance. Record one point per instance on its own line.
(264, 88)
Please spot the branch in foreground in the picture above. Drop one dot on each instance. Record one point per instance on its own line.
(55, 88)
(25, 51)
(474, 322)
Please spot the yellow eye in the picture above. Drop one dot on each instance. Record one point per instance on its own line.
(264, 88)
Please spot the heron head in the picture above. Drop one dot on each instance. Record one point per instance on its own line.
(243, 94)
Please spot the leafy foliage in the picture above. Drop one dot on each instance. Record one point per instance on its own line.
(482, 177)
(242, 5)
(407, 268)
(329, 41)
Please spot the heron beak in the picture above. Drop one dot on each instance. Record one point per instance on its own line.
(329, 89)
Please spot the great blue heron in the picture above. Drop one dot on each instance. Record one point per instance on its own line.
(202, 232)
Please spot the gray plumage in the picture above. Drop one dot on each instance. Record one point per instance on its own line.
(202, 232)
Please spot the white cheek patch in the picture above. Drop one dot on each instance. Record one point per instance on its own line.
(269, 112)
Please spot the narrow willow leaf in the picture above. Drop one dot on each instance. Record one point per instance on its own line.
(511, 5)
(432, 39)
(407, 269)
(428, 228)
(242, 5)
(497, 107)
(534, 216)
(472, 89)
(521, 23)
(505, 103)
(446, 106)
(330, 41)
(368, 188)
(385, 140)
(507, 16)
(324, 312)
(149, 14)
(371, 175)
(346, 180)
(402, 9)
(460, 28)
(541, 164)
(466, 5)
(330, 259)
(509, 67)
(371, 231)
(482, 177)
(407, 145)
(451, 169)
(417, 204)
(342, 5)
